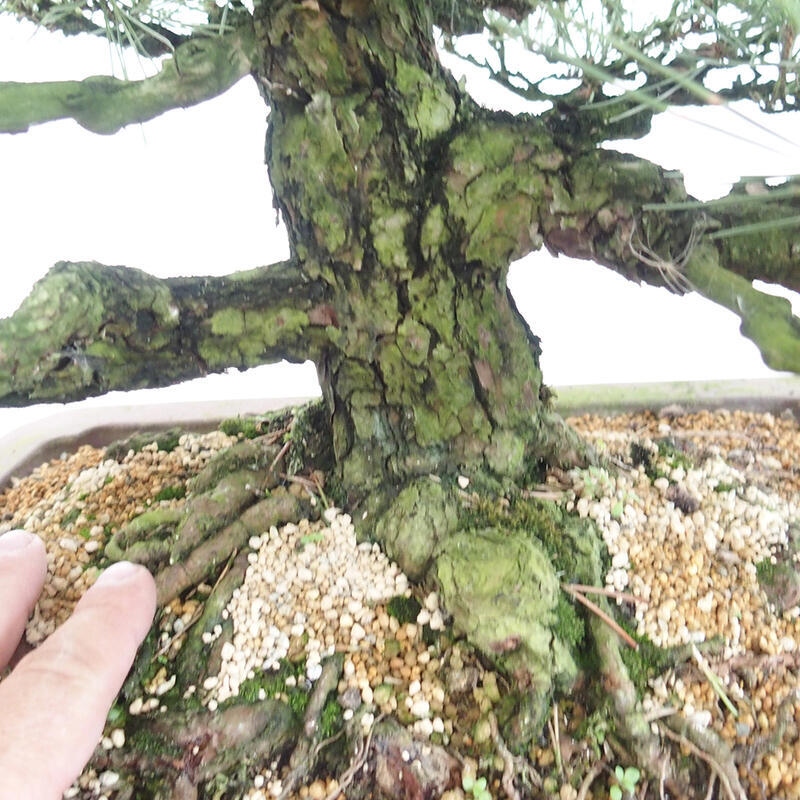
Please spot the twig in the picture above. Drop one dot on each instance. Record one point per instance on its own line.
(281, 453)
(714, 681)
(557, 741)
(586, 589)
(591, 776)
(593, 607)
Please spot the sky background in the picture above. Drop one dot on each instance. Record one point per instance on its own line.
(188, 194)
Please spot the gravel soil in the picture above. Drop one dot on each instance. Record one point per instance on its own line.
(701, 517)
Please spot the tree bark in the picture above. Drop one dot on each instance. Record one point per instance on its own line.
(87, 329)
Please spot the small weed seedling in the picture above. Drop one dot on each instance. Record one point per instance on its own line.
(626, 782)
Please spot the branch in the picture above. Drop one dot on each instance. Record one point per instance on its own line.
(87, 329)
(511, 187)
(200, 69)
(766, 320)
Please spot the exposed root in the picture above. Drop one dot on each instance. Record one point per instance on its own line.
(710, 749)
(304, 756)
(236, 496)
(359, 760)
(277, 509)
(591, 776)
(189, 748)
(632, 723)
(513, 766)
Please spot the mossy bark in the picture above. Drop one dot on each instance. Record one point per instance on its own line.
(405, 205)
(389, 182)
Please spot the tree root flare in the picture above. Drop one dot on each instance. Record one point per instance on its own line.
(279, 508)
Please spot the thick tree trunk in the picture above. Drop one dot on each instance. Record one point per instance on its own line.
(430, 367)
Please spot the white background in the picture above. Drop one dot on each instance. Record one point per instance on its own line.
(188, 194)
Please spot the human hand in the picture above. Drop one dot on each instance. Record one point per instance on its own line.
(54, 703)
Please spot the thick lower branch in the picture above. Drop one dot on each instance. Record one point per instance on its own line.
(200, 69)
(87, 329)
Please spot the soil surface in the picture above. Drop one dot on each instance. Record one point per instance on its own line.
(700, 515)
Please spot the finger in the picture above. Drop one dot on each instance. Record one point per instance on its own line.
(55, 702)
(23, 567)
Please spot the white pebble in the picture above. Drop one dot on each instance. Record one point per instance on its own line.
(357, 633)
(313, 671)
(135, 708)
(420, 708)
(109, 779)
(165, 686)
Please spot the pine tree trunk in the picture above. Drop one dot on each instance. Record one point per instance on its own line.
(430, 365)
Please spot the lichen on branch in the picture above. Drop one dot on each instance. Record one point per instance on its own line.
(87, 329)
(199, 69)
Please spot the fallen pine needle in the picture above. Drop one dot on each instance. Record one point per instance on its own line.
(593, 607)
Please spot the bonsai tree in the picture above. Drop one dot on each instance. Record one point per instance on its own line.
(405, 203)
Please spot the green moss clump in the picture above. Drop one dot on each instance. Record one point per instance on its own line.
(169, 440)
(148, 743)
(670, 452)
(177, 492)
(403, 609)
(274, 683)
(331, 720)
(645, 663)
(246, 427)
(569, 627)
(571, 543)
(765, 572)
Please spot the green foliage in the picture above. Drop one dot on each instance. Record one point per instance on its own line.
(626, 780)
(477, 787)
(624, 62)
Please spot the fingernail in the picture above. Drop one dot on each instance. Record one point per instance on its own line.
(16, 540)
(121, 572)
